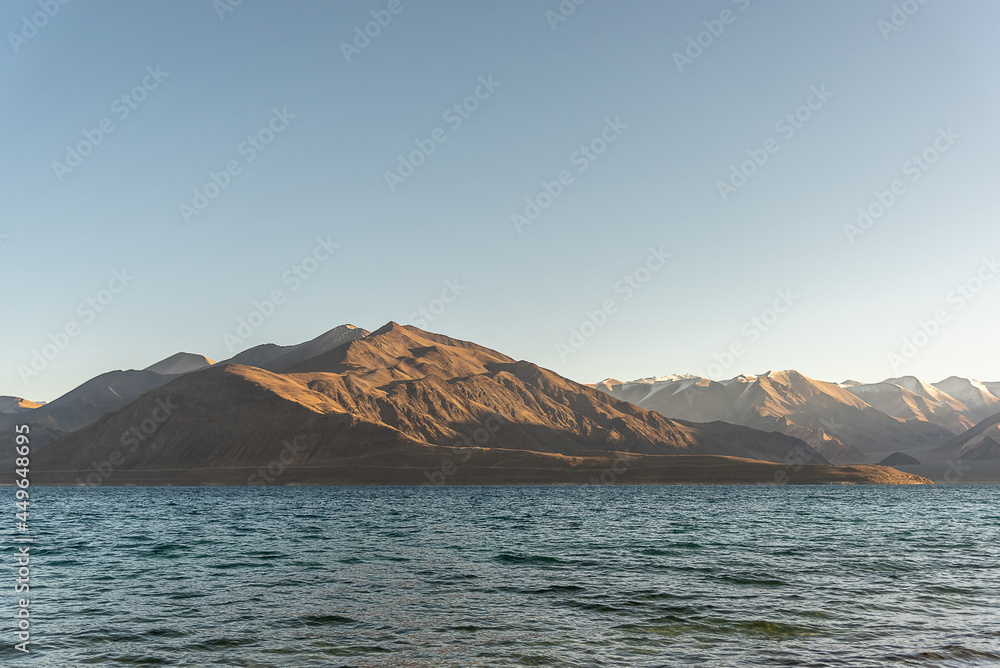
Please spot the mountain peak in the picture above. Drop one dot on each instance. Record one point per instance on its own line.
(180, 363)
(786, 376)
(972, 393)
(390, 326)
(274, 357)
(17, 404)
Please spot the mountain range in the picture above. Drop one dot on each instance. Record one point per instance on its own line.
(398, 405)
(114, 390)
(848, 423)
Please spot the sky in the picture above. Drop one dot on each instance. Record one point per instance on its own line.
(609, 189)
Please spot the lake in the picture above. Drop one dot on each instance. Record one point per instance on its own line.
(513, 576)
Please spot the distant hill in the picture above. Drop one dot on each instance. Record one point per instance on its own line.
(976, 444)
(899, 459)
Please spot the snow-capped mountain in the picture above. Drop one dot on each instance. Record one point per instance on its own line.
(980, 400)
(837, 423)
(910, 398)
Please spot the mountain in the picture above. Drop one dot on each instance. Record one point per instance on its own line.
(604, 385)
(986, 432)
(899, 459)
(180, 363)
(77, 408)
(981, 402)
(893, 398)
(970, 457)
(926, 390)
(275, 358)
(987, 449)
(993, 387)
(113, 390)
(838, 424)
(401, 405)
(15, 405)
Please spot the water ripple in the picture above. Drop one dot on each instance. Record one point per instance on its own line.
(515, 576)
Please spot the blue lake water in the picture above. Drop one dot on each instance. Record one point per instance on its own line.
(512, 576)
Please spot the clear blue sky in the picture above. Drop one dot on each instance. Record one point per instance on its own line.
(679, 132)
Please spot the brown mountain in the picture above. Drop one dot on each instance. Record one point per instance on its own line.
(899, 459)
(976, 444)
(77, 408)
(276, 358)
(402, 405)
(113, 390)
(894, 398)
(970, 457)
(180, 363)
(14, 405)
(835, 422)
(987, 449)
